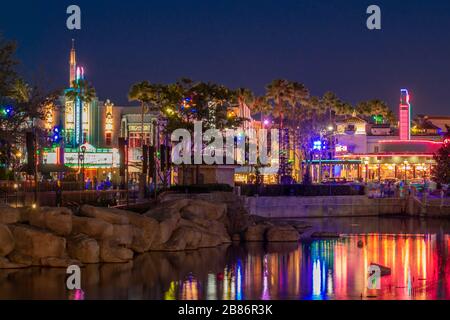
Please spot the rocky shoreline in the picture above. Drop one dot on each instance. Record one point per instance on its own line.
(56, 237)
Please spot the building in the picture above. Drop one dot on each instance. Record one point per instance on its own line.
(388, 153)
(85, 136)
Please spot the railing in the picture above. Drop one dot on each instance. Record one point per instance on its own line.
(300, 190)
(70, 198)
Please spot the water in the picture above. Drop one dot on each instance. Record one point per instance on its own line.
(417, 252)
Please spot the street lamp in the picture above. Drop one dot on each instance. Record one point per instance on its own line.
(82, 159)
(16, 186)
(406, 164)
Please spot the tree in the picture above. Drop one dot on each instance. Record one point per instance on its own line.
(20, 105)
(375, 109)
(279, 95)
(441, 172)
(141, 92)
(8, 63)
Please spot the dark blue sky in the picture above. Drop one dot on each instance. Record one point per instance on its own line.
(243, 43)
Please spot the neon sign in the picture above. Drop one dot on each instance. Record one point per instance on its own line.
(405, 115)
(341, 148)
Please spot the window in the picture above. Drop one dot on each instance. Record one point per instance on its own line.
(135, 140)
(108, 139)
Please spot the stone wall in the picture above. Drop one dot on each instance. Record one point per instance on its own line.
(316, 207)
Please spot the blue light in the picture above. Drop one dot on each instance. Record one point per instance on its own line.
(317, 145)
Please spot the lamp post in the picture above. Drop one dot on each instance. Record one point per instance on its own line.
(366, 163)
(82, 159)
(16, 186)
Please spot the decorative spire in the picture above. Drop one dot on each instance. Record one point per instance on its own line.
(73, 64)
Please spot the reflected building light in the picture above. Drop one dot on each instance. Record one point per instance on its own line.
(211, 293)
(226, 285)
(239, 281)
(266, 292)
(330, 283)
(316, 279)
(171, 293)
(190, 289)
(77, 294)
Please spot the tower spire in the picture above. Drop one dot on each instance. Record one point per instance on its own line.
(73, 64)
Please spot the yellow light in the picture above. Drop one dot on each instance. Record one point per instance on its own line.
(16, 186)
(34, 206)
(19, 154)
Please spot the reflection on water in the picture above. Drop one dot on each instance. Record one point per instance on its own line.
(320, 269)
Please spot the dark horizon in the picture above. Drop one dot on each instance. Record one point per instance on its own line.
(324, 45)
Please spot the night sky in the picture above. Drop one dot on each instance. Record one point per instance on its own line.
(242, 43)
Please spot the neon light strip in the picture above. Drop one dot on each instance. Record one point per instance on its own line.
(426, 155)
(410, 141)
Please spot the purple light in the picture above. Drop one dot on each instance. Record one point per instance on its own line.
(266, 122)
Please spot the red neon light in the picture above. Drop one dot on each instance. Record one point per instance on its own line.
(411, 141)
(426, 155)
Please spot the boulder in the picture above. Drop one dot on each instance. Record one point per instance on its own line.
(55, 262)
(123, 234)
(208, 226)
(111, 252)
(23, 259)
(204, 210)
(210, 240)
(7, 242)
(7, 264)
(37, 243)
(83, 248)
(168, 222)
(94, 228)
(282, 233)
(58, 220)
(175, 205)
(144, 230)
(109, 215)
(9, 215)
(178, 240)
(256, 232)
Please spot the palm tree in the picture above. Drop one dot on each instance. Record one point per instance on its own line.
(81, 90)
(141, 92)
(376, 108)
(278, 94)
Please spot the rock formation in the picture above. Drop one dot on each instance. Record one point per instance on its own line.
(55, 237)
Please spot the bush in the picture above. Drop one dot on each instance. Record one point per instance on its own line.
(301, 190)
(202, 188)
